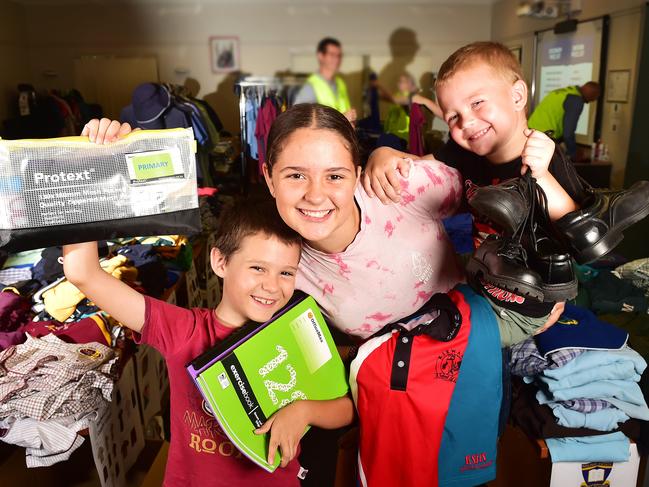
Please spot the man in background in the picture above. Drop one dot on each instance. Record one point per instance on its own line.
(326, 86)
(559, 112)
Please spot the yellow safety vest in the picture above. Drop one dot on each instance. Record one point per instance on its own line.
(326, 96)
(548, 115)
(397, 121)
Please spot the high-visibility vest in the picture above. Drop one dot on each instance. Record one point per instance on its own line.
(326, 96)
(548, 115)
(397, 121)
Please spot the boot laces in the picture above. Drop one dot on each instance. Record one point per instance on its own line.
(513, 248)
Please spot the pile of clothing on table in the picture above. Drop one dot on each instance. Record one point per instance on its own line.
(613, 285)
(582, 389)
(49, 391)
(58, 351)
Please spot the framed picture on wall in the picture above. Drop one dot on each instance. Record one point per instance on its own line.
(224, 54)
(617, 85)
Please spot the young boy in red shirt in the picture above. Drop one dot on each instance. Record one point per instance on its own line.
(257, 256)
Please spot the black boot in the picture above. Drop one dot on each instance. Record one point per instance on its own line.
(596, 229)
(503, 263)
(546, 255)
(555, 268)
(538, 267)
(504, 204)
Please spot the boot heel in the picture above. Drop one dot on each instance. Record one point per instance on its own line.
(601, 248)
(560, 292)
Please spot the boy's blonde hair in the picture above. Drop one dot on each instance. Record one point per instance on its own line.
(496, 55)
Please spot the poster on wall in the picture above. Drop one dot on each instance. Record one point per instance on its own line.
(224, 54)
(570, 59)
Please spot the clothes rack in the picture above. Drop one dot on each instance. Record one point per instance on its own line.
(259, 86)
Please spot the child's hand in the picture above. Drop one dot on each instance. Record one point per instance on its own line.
(286, 428)
(105, 131)
(537, 153)
(380, 176)
(553, 317)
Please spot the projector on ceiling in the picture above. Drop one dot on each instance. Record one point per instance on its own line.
(538, 10)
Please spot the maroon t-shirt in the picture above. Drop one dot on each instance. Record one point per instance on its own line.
(200, 453)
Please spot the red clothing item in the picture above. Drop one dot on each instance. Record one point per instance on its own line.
(265, 118)
(401, 431)
(200, 454)
(87, 330)
(416, 131)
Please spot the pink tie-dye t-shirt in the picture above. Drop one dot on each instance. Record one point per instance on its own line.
(400, 257)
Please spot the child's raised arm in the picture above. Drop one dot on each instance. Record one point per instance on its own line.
(81, 261)
(81, 267)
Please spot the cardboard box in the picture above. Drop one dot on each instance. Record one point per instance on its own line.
(195, 296)
(152, 380)
(117, 437)
(213, 291)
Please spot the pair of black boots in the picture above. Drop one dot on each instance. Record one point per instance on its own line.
(533, 257)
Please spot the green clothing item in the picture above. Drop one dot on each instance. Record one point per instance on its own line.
(515, 327)
(397, 122)
(548, 115)
(326, 96)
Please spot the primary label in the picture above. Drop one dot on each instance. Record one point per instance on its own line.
(145, 166)
(311, 340)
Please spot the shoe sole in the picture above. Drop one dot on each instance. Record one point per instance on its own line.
(475, 267)
(560, 292)
(611, 240)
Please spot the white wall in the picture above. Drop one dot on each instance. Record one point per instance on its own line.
(13, 68)
(623, 53)
(271, 33)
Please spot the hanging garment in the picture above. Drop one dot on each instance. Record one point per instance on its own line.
(212, 132)
(265, 118)
(213, 116)
(397, 122)
(251, 124)
(416, 132)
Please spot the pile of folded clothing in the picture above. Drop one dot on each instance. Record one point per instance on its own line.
(580, 389)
